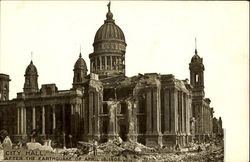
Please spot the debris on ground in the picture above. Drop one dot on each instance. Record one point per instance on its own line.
(118, 150)
(1, 154)
(36, 145)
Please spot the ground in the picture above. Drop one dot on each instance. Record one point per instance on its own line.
(127, 151)
(209, 153)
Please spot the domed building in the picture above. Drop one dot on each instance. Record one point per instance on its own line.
(108, 58)
(153, 109)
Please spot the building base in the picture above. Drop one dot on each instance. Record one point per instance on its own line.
(153, 140)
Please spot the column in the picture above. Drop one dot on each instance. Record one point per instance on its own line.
(149, 111)
(90, 113)
(24, 120)
(166, 111)
(63, 117)
(21, 114)
(205, 119)
(53, 118)
(76, 118)
(100, 59)
(43, 120)
(97, 108)
(174, 110)
(134, 113)
(179, 113)
(33, 117)
(202, 119)
(130, 118)
(85, 117)
(156, 111)
(92, 65)
(112, 106)
(206, 123)
(183, 112)
(106, 67)
(72, 117)
(116, 62)
(18, 120)
(187, 114)
(111, 63)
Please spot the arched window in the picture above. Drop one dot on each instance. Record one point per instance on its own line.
(196, 78)
(98, 63)
(78, 77)
(28, 82)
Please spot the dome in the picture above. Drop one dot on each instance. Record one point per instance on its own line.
(196, 58)
(109, 30)
(80, 63)
(31, 69)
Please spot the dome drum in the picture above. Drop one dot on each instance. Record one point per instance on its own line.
(107, 64)
(114, 46)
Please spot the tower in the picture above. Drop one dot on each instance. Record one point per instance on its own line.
(4, 87)
(196, 68)
(31, 77)
(108, 58)
(80, 72)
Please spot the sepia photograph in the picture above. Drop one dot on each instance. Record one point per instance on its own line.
(124, 81)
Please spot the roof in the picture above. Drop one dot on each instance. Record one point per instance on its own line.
(80, 63)
(31, 69)
(109, 30)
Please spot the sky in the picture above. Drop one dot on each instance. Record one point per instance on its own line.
(160, 38)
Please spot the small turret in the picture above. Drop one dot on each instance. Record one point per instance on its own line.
(80, 72)
(31, 77)
(196, 68)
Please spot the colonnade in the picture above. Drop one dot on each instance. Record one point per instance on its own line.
(46, 117)
(177, 107)
(105, 63)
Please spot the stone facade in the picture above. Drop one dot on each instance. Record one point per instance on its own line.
(150, 108)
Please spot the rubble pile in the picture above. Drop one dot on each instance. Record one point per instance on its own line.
(112, 146)
(69, 151)
(1, 153)
(117, 146)
(117, 150)
(36, 145)
(217, 155)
